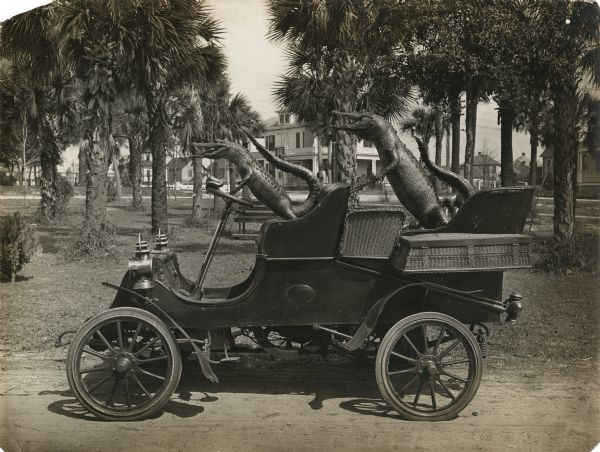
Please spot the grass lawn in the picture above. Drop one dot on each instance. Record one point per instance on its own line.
(558, 325)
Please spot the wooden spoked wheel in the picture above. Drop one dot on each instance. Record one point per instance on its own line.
(428, 367)
(123, 364)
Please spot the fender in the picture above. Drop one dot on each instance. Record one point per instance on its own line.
(370, 322)
(202, 358)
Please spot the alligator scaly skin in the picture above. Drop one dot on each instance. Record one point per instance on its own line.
(314, 187)
(262, 185)
(462, 185)
(408, 178)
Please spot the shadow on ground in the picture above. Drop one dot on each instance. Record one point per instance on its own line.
(261, 375)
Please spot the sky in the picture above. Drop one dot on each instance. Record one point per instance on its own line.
(255, 64)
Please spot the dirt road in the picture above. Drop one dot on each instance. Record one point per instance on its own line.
(265, 405)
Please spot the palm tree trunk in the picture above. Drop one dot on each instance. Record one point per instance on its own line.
(593, 137)
(533, 143)
(470, 125)
(82, 162)
(448, 148)
(455, 113)
(115, 164)
(507, 116)
(158, 121)
(329, 161)
(49, 158)
(135, 171)
(345, 158)
(565, 157)
(197, 181)
(439, 136)
(98, 161)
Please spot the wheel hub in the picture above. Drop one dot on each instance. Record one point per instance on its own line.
(123, 364)
(428, 367)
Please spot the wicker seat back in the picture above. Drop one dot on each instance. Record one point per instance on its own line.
(371, 231)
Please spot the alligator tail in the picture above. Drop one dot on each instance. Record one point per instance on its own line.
(462, 185)
(314, 187)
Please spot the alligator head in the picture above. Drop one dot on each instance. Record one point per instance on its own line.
(364, 125)
(214, 151)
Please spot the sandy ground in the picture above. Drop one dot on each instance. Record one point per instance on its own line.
(268, 405)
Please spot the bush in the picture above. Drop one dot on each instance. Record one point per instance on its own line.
(7, 180)
(91, 242)
(17, 243)
(64, 193)
(111, 191)
(579, 253)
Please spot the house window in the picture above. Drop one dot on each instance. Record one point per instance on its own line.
(270, 142)
(298, 140)
(368, 144)
(284, 118)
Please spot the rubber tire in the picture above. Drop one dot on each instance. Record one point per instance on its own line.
(389, 340)
(159, 400)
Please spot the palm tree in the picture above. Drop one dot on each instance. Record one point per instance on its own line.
(420, 122)
(188, 125)
(133, 108)
(29, 42)
(174, 44)
(573, 31)
(338, 60)
(88, 34)
(156, 46)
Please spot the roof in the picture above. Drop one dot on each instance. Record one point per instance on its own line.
(178, 163)
(548, 153)
(484, 160)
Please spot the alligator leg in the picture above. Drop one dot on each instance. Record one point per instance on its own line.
(243, 182)
(387, 169)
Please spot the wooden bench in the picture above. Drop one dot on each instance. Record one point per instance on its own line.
(259, 214)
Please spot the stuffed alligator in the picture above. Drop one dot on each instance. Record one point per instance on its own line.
(406, 175)
(262, 185)
(462, 185)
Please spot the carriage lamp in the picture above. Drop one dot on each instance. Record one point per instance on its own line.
(161, 243)
(513, 306)
(140, 266)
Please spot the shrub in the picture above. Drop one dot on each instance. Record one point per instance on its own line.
(64, 193)
(89, 242)
(111, 191)
(17, 243)
(7, 180)
(578, 253)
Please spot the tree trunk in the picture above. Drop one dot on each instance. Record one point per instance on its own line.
(455, 113)
(197, 181)
(565, 157)
(83, 163)
(470, 125)
(329, 160)
(158, 126)
(345, 158)
(135, 171)
(533, 142)
(507, 116)
(439, 136)
(98, 161)
(448, 147)
(49, 158)
(115, 164)
(593, 136)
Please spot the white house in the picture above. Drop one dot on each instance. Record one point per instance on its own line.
(296, 143)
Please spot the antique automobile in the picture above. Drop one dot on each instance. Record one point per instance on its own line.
(340, 278)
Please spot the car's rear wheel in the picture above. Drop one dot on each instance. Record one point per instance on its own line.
(428, 367)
